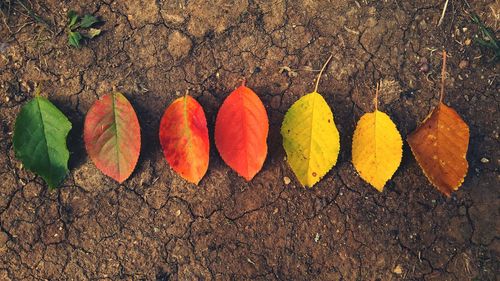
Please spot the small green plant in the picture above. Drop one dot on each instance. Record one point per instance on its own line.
(487, 37)
(80, 27)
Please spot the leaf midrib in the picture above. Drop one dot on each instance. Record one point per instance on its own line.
(117, 150)
(438, 146)
(245, 130)
(44, 135)
(311, 136)
(187, 131)
(439, 149)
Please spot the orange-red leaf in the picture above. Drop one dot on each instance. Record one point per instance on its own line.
(184, 138)
(440, 146)
(241, 132)
(112, 136)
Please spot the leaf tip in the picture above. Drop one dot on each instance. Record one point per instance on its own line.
(120, 180)
(194, 179)
(379, 187)
(52, 185)
(248, 176)
(248, 179)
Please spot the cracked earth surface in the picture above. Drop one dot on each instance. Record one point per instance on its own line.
(157, 227)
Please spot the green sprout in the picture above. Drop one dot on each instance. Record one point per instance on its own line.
(80, 27)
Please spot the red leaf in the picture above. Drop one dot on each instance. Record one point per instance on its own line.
(241, 132)
(184, 138)
(112, 136)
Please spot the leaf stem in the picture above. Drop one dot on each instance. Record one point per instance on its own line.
(443, 76)
(38, 89)
(321, 72)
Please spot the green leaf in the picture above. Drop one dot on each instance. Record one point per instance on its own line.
(74, 39)
(92, 32)
(73, 18)
(87, 21)
(40, 140)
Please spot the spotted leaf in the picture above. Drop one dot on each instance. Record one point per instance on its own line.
(184, 138)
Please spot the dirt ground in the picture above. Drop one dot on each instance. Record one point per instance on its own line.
(155, 226)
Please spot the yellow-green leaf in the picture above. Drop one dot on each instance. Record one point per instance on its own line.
(310, 138)
(376, 148)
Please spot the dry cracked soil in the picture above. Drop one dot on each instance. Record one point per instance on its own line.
(155, 226)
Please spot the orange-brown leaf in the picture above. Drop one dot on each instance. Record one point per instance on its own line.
(440, 146)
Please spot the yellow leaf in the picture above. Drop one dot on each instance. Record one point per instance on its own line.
(376, 148)
(310, 138)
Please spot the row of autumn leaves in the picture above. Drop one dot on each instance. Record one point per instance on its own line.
(310, 138)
